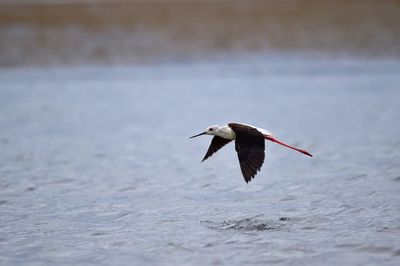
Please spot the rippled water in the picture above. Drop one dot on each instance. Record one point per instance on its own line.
(96, 166)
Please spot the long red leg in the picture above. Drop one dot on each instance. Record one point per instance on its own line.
(286, 145)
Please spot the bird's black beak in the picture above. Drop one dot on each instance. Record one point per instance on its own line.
(198, 135)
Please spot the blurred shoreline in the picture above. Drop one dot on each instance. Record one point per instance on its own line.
(129, 32)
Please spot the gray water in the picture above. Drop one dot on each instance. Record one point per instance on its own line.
(96, 167)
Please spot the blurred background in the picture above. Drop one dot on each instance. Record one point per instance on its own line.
(59, 32)
(98, 99)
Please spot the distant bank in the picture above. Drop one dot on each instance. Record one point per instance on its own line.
(39, 33)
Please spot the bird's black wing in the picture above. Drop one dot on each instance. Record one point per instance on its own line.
(216, 144)
(250, 147)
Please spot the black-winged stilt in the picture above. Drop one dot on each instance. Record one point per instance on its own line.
(249, 145)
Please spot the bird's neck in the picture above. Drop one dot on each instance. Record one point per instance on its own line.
(226, 133)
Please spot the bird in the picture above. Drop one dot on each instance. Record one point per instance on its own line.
(249, 145)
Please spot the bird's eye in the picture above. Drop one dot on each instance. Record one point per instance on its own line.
(210, 129)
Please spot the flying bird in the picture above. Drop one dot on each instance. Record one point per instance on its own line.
(249, 145)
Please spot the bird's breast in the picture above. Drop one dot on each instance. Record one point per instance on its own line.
(227, 133)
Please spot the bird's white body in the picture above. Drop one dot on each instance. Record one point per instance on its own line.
(227, 133)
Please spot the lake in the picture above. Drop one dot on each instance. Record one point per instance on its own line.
(96, 166)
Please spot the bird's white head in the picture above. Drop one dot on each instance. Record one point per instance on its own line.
(211, 130)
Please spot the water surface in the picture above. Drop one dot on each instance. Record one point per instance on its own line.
(96, 166)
